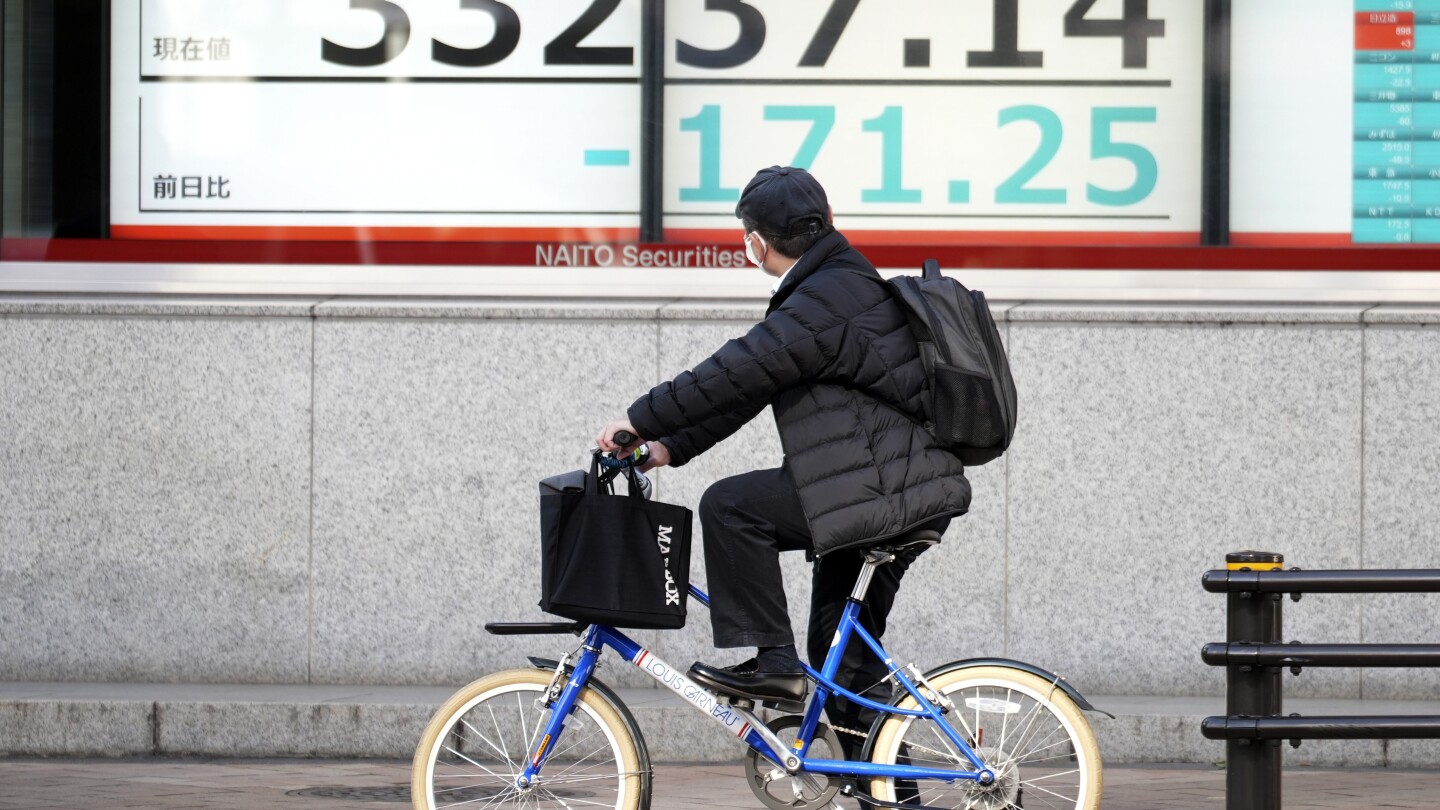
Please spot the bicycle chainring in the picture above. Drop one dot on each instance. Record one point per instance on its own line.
(780, 790)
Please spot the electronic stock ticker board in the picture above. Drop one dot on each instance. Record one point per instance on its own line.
(946, 121)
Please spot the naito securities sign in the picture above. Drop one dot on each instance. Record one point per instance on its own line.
(612, 255)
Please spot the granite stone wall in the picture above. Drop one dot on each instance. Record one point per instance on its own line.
(343, 491)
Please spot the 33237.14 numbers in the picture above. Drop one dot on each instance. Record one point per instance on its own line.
(1134, 29)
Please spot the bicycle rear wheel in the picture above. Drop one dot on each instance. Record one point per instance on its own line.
(480, 740)
(1030, 733)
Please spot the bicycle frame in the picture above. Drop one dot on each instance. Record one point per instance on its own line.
(745, 725)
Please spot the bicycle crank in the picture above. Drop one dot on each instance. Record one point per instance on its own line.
(780, 790)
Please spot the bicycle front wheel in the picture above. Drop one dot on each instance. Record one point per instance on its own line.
(1026, 730)
(480, 740)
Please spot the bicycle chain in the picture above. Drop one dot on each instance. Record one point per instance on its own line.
(915, 746)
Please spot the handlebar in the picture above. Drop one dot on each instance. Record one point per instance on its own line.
(618, 460)
(614, 463)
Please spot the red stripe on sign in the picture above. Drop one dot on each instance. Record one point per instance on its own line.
(214, 251)
(1248, 251)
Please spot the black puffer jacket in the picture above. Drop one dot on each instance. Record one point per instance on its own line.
(835, 357)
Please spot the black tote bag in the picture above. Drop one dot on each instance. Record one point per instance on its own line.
(617, 560)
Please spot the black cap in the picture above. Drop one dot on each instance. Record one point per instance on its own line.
(785, 201)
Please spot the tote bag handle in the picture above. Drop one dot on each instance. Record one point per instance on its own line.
(592, 482)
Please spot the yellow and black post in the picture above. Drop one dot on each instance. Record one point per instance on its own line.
(1252, 776)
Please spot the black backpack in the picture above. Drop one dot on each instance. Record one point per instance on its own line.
(972, 396)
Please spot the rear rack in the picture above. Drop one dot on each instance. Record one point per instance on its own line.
(533, 628)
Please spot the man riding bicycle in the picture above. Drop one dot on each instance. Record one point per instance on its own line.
(835, 358)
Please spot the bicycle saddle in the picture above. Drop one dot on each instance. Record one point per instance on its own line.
(915, 538)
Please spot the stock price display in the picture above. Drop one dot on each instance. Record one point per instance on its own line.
(923, 118)
(371, 119)
(1076, 120)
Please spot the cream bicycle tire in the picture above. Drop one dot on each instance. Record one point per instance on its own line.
(596, 758)
(1046, 755)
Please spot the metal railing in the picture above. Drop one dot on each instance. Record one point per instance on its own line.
(1255, 658)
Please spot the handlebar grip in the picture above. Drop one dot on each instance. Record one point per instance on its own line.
(624, 438)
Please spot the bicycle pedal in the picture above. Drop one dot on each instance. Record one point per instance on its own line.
(785, 706)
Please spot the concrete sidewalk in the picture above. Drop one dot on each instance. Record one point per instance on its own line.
(262, 784)
(137, 720)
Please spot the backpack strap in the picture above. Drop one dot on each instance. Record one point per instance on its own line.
(924, 341)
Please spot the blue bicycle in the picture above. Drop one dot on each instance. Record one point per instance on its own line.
(981, 734)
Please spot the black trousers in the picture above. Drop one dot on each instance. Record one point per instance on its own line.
(748, 519)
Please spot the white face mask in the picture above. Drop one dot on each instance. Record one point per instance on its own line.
(750, 250)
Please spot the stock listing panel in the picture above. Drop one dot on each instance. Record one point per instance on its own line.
(1397, 122)
(1335, 123)
(927, 120)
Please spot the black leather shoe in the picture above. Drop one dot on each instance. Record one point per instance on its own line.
(745, 680)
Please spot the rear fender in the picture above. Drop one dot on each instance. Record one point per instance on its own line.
(1064, 686)
(1008, 663)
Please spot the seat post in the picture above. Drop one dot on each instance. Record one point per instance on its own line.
(873, 559)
